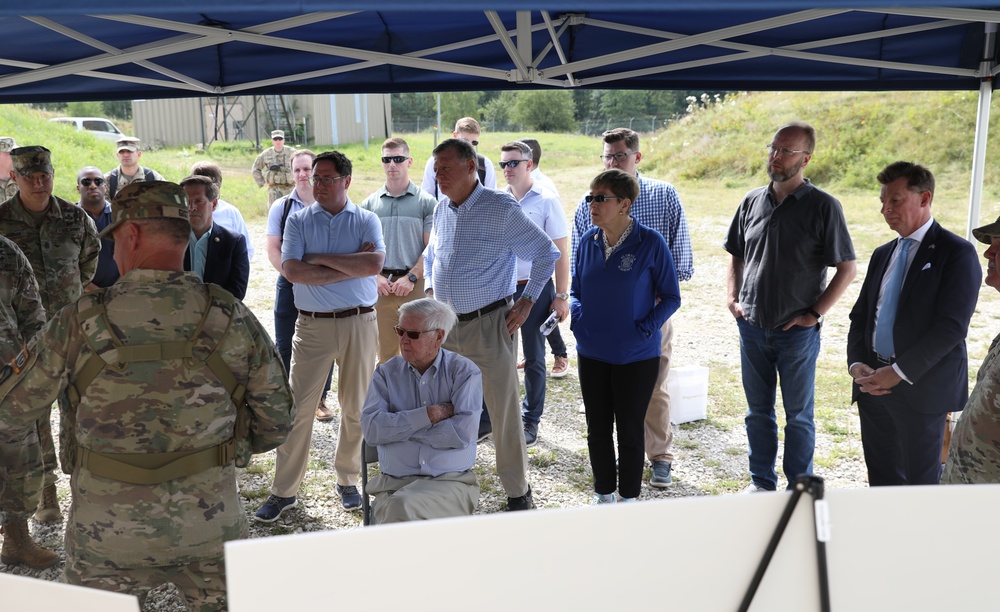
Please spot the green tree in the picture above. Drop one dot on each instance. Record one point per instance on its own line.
(498, 110)
(413, 105)
(458, 104)
(84, 109)
(117, 109)
(545, 111)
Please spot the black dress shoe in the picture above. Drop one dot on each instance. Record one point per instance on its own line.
(520, 503)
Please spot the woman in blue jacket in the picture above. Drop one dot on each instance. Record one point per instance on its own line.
(624, 289)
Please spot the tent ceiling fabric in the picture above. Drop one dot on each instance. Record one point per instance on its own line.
(184, 48)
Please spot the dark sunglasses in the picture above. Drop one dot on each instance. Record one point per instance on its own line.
(600, 198)
(474, 143)
(399, 159)
(512, 163)
(410, 333)
(277, 138)
(87, 182)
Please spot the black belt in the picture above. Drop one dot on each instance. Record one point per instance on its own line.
(485, 310)
(387, 272)
(883, 360)
(340, 314)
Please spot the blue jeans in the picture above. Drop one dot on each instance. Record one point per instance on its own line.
(557, 344)
(285, 315)
(766, 356)
(534, 354)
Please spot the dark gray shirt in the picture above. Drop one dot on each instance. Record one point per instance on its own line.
(786, 250)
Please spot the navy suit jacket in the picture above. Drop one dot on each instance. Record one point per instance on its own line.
(936, 301)
(227, 264)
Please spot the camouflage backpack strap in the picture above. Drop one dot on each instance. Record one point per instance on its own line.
(111, 352)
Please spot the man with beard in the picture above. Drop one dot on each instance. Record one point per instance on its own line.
(781, 241)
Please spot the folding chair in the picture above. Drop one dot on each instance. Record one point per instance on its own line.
(369, 454)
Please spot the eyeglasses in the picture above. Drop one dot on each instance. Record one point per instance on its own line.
(326, 181)
(87, 182)
(618, 157)
(474, 143)
(782, 151)
(512, 163)
(399, 159)
(412, 334)
(600, 198)
(277, 138)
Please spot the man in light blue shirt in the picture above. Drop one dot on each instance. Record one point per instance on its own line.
(330, 252)
(477, 237)
(422, 412)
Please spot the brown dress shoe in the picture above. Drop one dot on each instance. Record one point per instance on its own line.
(323, 414)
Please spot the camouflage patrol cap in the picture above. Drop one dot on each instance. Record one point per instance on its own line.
(987, 233)
(147, 200)
(278, 134)
(127, 143)
(7, 144)
(31, 159)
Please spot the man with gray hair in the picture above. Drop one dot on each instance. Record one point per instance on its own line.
(422, 412)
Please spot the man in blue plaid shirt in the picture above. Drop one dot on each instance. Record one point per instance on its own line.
(469, 263)
(659, 208)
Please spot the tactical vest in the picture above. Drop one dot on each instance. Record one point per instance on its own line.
(147, 175)
(111, 353)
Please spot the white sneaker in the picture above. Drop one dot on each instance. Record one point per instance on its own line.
(629, 500)
(753, 488)
(600, 500)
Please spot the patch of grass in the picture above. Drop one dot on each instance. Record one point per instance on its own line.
(725, 486)
(735, 451)
(836, 454)
(541, 458)
(255, 493)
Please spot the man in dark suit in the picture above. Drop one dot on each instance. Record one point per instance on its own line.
(906, 345)
(216, 254)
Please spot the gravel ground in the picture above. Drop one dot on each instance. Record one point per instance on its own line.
(710, 454)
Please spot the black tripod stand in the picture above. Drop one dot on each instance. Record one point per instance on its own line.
(812, 485)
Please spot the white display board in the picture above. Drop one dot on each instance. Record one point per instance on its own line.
(23, 593)
(889, 549)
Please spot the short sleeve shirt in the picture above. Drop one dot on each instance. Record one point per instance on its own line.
(786, 249)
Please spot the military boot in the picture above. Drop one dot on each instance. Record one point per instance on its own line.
(48, 506)
(18, 547)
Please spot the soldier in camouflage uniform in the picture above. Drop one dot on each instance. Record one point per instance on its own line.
(273, 168)
(974, 454)
(21, 316)
(184, 384)
(128, 171)
(60, 241)
(8, 187)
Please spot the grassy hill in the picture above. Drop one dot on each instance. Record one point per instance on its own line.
(858, 134)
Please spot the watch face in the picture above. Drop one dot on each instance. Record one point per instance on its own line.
(412, 277)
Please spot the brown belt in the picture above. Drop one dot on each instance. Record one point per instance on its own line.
(522, 283)
(475, 314)
(340, 314)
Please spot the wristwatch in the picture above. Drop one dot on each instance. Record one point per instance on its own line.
(563, 296)
(819, 317)
(412, 277)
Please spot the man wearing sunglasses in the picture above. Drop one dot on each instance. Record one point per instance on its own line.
(468, 130)
(92, 187)
(407, 214)
(545, 210)
(658, 207)
(422, 412)
(273, 168)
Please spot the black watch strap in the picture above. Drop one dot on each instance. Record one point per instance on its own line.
(412, 277)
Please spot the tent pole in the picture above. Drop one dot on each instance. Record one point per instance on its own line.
(982, 129)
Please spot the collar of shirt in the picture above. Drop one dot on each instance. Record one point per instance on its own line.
(433, 369)
(471, 200)
(411, 189)
(918, 234)
(317, 209)
(534, 189)
(798, 194)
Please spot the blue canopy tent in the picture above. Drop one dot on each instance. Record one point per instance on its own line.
(90, 50)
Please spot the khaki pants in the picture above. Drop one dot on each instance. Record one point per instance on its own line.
(317, 344)
(421, 498)
(486, 343)
(388, 316)
(659, 436)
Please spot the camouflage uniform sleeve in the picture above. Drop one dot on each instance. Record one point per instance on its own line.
(28, 302)
(258, 170)
(268, 396)
(89, 251)
(27, 392)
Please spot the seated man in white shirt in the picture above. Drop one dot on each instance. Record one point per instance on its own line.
(422, 412)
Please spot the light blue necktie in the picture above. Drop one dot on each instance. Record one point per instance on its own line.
(890, 300)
